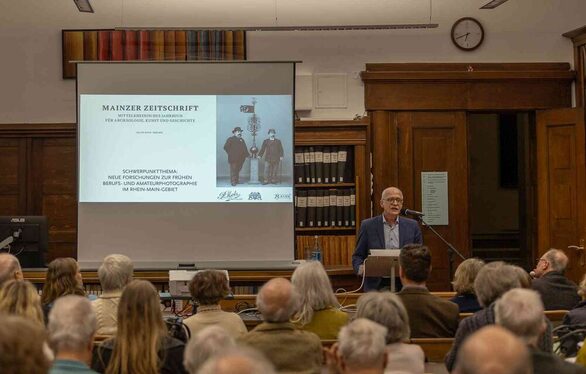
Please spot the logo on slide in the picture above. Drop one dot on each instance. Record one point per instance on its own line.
(282, 196)
(255, 196)
(229, 196)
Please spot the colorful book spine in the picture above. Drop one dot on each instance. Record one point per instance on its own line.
(169, 45)
(144, 45)
(104, 45)
(116, 47)
(90, 45)
(180, 46)
(130, 45)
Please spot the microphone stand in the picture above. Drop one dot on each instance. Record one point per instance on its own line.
(451, 248)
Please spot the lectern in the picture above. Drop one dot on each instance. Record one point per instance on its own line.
(382, 263)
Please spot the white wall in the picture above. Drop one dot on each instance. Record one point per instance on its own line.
(31, 88)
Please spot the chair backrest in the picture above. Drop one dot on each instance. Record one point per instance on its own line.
(435, 349)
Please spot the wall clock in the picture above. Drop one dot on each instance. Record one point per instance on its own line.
(467, 33)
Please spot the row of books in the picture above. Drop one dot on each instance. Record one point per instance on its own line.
(117, 45)
(336, 250)
(245, 290)
(325, 208)
(324, 164)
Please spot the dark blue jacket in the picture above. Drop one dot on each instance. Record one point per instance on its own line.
(372, 236)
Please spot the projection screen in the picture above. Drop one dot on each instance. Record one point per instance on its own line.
(164, 175)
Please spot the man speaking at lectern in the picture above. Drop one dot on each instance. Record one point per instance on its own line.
(384, 231)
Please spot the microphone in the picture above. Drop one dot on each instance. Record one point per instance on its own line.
(409, 212)
(532, 274)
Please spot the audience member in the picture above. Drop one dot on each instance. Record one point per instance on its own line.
(429, 316)
(208, 342)
(288, 348)
(22, 347)
(557, 291)
(9, 268)
(493, 350)
(63, 278)
(72, 326)
(207, 288)
(577, 316)
(464, 285)
(21, 298)
(114, 273)
(521, 312)
(492, 281)
(319, 308)
(241, 360)
(387, 309)
(360, 349)
(141, 343)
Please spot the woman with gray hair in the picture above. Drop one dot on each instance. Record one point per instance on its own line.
(207, 343)
(387, 309)
(114, 274)
(319, 308)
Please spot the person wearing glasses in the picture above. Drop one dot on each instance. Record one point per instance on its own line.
(384, 231)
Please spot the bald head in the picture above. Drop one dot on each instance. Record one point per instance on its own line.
(391, 201)
(9, 268)
(391, 191)
(277, 300)
(493, 350)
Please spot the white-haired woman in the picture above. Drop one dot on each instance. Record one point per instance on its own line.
(387, 309)
(319, 309)
(114, 274)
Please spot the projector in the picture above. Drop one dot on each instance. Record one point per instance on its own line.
(179, 281)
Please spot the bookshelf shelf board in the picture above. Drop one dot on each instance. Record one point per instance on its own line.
(321, 229)
(321, 185)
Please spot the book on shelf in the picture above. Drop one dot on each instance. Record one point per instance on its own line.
(116, 46)
(326, 164)
(312, 164)
(170, 45)
(333, 202)
(144, 46)
(299, 165)
(191, 40)
(319, 160)
(130, 45)
(326, 208)
(104, 45)
(334, 165)
(307, 165)
(319, 208)
(339, 208)
(180, 45)
(341, 165)
(311, 208)
(352, 207)
(301, 209)
(90, 45)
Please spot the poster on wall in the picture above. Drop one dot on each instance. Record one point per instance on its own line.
(434, 197)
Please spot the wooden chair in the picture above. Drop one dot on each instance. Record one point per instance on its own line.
(435, 349)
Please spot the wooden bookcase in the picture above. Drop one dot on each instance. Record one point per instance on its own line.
(337, 242)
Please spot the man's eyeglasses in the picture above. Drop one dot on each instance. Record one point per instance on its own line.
(397, 200)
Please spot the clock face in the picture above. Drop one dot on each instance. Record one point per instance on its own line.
(467, 33)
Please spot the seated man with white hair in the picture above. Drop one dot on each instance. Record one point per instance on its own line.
(9, 268)
(288, 348)
(556, 290)
(361, 349)
(521, 312)
(71, 327)
(114, 273)
(207, 343)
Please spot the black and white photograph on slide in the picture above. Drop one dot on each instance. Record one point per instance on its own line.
(254, 141)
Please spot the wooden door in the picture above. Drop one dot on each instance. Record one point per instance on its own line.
(561, 185)
(437, 141)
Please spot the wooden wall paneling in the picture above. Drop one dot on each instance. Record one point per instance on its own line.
(467, 86)
(13, 176)
(57, 193)
(437, 142)
(384, 155)
(561, 173)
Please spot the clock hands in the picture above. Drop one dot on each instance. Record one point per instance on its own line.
(463, 35)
